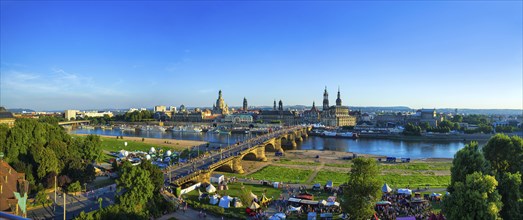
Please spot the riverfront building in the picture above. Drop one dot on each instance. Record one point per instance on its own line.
(337, 115)
(220, 107)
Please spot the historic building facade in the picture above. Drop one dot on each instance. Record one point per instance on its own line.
(312, 116)
(284, 116)
(337, 115)
(220, 107)
(7, 117)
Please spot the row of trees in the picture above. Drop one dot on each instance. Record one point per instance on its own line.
(42, 150)
(138, 194)
(135, 116)
(487, 183)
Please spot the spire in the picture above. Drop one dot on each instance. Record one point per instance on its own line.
(338, 100)
(244, 104)
(280, 106)
(274, 108)
(325, 99)
(220, 93)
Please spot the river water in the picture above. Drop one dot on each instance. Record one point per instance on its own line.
(412, 149)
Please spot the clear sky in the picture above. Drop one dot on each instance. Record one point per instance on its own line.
(120, 54)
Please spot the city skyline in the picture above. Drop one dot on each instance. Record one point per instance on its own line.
(84, 55)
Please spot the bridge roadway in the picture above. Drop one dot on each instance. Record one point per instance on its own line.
(199, 165)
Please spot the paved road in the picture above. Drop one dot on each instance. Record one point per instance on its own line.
(75, 204)
(203, 162)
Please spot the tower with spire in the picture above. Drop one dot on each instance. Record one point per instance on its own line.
(274, 107)
(245, 104)
(280, 106)
(220, 107)
(338, 100)
(325, 100)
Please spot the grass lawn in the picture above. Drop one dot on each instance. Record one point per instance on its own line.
(341, 165)
(290, 162)
(394, 180)
(288, 175)
(113, 144)
(420, 166)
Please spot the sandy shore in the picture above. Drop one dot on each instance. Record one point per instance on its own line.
(337, 156)
(173, 143)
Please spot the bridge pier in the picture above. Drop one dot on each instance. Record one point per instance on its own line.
(237, 165)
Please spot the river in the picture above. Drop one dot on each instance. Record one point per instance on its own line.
(396, 148)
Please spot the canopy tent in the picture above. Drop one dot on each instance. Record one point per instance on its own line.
(254, 206)
(253, 196)
(278, 216)
(333, 204)
(214, 199)
(293, 209)
(264, 200)
(329, 184)
(236, 203)
(311, 216)
(383, 203)
(405, 191)
(385, 188)
(323, 202)
(316, 186)
(217, 178)
(210, 188)
(276, 184)
(225, 202)
(331, 199)
(294, 200)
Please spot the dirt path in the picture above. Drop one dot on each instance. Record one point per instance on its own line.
(311, 177)
(174, 143)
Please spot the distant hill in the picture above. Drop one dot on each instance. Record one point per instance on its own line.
(20, 110)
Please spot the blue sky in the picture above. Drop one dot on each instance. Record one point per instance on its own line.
(118, 54)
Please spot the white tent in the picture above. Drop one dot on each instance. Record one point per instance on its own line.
(214, 199)
(253, 196)
(254, 206)
(332, 204)
(225, 202)
(237, 203)
(311, 216)
(323, 202)
(275, 184)
(405, 191)
(386, 189)
(217, 178)
(292, 208)
(210, 188)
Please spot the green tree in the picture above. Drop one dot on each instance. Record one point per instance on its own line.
(245, 196)
(476, 198)
(41, 198)
(91, 150)
(505, 153)
(136, 187)
(155, 174)
(457, 118)
(467, 161)
(362, 190)
(412, 130)
(509, 188)
(46, 160)
(74, 187)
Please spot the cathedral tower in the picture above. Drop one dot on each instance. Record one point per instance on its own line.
(325, 100)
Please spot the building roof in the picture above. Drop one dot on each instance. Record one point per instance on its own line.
(5, 114)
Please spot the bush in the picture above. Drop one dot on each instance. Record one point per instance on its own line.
(74, 187)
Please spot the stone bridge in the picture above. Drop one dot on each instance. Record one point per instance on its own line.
(254, 149)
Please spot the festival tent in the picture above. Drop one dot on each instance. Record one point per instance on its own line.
(386, 189)
(333, 204)
(276, 184)
(383, 203)
(214, 199)
(323, 202)
(225, 202)
(254, 206)
(331, 199)
(311, 216)
(329, 184)
(254, 197)
(264, 199)
(236, 203)
(217, 178)
(210, 188)
(293, 209)
(405, 191)
(316, 186)
(278, 216)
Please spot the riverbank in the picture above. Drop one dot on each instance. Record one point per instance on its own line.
(169, 143)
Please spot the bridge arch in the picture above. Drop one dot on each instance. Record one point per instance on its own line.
(226, 167)
(250, 156)
(270, 147)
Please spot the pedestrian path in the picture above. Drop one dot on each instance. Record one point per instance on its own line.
(311, 177)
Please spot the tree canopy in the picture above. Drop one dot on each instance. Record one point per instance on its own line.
(467, 161)
(136, 187)
(362, 190)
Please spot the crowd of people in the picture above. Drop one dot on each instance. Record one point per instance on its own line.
(403, 205)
